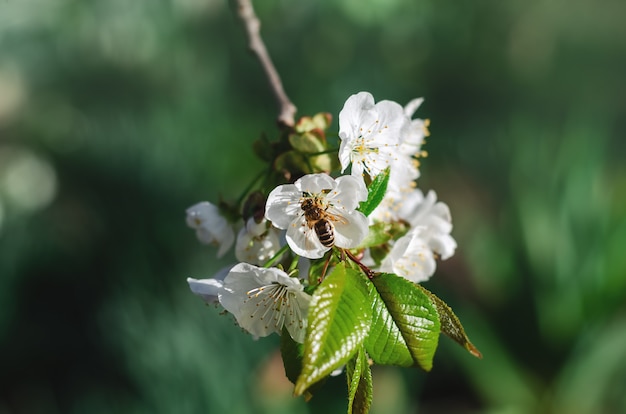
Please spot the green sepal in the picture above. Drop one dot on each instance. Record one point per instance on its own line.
(292, 162)
(405, 323)
(450, 324)
(308, 143)
(320, 121)
(359, 376)
(375, 193)
(264, 149)
(338, 322)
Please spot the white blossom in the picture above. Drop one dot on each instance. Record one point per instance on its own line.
(410, 258)
(257, 242)
(209, 289)
(211, 227)
(369, 133)
(336, 199)
(414, 131)
(264, 301)
(413, 255)
(404, 168)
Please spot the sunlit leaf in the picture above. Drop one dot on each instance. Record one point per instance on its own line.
(338, 322)
(405, 324)
(375, 193)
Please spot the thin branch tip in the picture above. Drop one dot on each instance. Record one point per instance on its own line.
(252, 24)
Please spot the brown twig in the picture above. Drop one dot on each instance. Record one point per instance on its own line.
(252, 24)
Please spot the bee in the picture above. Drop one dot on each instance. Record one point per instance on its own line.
(318, 219)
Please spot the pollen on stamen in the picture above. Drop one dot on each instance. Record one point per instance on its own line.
(425, 127)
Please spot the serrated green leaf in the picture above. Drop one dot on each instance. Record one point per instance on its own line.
(450, 324)
(385, 342)
(375, 193)
(360, 388)
(338, 322)
(405, 324)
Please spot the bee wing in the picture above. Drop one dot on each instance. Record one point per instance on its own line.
(335, 218)
(311, 240)
(303, 240)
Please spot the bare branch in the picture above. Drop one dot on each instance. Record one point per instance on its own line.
(287, 109)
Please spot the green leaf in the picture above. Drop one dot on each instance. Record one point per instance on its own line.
(291, 352)
(375, 193)
(338, 322)
(360, 387)
(382, 232)
(450, 324)
(378, 234)
(405, 324)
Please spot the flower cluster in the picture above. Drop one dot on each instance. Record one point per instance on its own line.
(287, 239)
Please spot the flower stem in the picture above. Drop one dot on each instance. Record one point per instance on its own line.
(368, 272)
(275, 258)
(249, 187)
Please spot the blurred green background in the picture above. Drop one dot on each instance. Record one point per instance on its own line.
(115, 116)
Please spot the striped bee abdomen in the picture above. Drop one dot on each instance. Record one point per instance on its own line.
(325, 232)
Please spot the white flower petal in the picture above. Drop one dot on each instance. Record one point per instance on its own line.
(370, 133)
(258, 246)
(345, 149)
(283, 205)
(315, 183)
(304, 241)
(412, 106)
(352, 190)
(207, 289)
(211, 227)
(264, 300)
(226, 241)
(410, 258)
(350, 234)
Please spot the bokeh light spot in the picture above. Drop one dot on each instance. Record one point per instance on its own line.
(28, 181)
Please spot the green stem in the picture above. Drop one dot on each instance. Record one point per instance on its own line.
(275, 258)
(294, 264)
(248, 188)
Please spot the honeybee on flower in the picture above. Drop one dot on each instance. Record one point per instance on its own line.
(318, 209)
